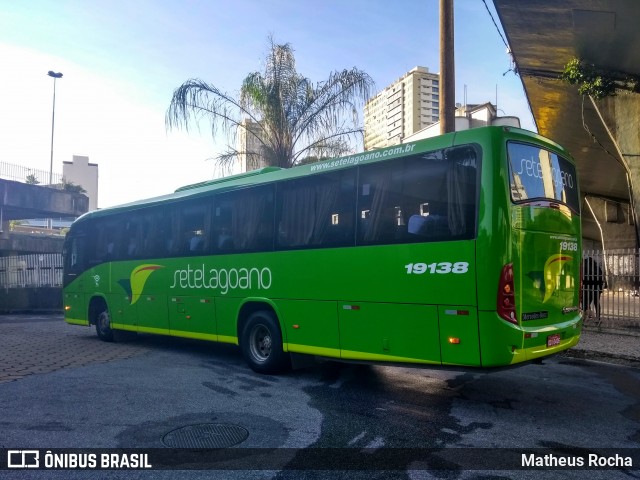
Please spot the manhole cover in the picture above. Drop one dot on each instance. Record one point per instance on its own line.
(205, 435)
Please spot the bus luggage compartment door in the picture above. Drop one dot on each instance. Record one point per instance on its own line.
(389, 332)
(193, 317)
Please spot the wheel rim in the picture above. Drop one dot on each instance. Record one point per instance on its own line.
(103, 322)
(260, 343)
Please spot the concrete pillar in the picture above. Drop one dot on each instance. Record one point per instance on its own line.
(621, 116)
(4, 229)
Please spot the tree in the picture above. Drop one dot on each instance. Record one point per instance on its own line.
(72, 187)
(32, 179)
(14, 223)
(598, 82)
(292, 117)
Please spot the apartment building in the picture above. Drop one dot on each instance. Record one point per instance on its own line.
(408, 105)
(249, 146)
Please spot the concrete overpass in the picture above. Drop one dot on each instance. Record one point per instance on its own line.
(602, 135)
(20, 201)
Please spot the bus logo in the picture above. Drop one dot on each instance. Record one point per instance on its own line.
(547, 281)
(552, 269)
(136, 282)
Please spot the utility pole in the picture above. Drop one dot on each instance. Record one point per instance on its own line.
(447, 69)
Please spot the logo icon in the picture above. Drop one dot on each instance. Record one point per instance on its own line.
(547, 280)
(552, 269)
(136, 282)
(23, 459)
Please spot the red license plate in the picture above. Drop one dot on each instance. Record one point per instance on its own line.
(553, 340)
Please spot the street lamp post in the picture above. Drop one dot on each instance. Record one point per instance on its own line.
(55, 76)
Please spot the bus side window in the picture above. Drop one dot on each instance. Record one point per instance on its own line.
(74, 253)
(317, 211)
(222, 231)
(425, 197)
(131, 235)
(195, 226)
(243, 220)
(156, 230)
(377, 204)
(462, 191)
(108, 238)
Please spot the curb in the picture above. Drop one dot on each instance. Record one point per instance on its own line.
(618, 359)
(629, 332)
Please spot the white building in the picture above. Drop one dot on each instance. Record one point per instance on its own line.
(80, 172)
(467, 116)
(406, 106)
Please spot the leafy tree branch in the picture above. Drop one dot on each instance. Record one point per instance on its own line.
(598, 82)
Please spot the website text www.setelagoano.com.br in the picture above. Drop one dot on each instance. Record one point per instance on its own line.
(356, 159)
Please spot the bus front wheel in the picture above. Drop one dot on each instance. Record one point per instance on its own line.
(103, 325)
(261, 343)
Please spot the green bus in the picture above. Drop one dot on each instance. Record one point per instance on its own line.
(461, 250)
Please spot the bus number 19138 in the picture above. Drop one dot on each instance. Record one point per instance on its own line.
(442, 267)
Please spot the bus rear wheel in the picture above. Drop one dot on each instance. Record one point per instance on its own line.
(103, 325)
(261, 343)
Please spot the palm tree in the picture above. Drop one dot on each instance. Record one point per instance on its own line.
(291, 118)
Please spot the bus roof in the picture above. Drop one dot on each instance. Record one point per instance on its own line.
(230, 178)
(271, 174)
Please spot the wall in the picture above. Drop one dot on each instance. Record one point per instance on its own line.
(31, 299)
(615, 219)
(22, 244)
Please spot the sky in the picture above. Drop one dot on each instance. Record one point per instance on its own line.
(121, 60)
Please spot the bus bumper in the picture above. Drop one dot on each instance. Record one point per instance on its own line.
(502, 343)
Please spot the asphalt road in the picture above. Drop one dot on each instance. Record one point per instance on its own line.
(62, 388)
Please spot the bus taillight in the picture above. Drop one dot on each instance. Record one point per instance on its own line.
(506, 304)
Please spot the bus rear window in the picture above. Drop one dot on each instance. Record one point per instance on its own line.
(538, 174)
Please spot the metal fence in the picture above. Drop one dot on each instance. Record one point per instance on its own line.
(43, 270)
(19, 173)
(617, 304)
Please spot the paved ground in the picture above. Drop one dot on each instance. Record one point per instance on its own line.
(64, 388)
(609, 345)
(54, 348)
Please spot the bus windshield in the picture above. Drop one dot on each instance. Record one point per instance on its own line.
(538, 174)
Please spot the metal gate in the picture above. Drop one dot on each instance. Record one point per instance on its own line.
(617, 302)
(40, 270)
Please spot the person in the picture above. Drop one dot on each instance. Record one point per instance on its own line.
(593, 282)
(195, 244)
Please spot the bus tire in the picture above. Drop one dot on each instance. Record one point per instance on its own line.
(261, 344)
(103, 325)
